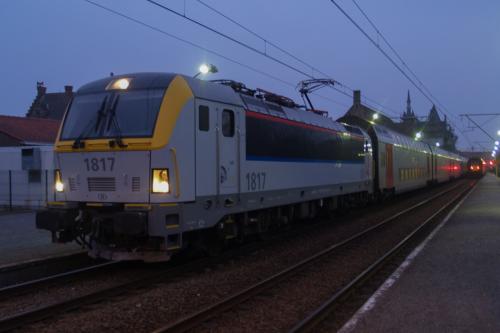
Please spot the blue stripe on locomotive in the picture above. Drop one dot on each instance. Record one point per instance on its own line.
(300, 160)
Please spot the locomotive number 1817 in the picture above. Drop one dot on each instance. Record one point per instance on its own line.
(100, 164)
(256, 181)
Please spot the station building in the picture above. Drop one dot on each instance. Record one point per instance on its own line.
(433, 129)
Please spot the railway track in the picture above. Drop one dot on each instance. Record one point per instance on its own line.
(211, 313)
(31, 285)
(39, 268)
(160, 275)
(320, 314)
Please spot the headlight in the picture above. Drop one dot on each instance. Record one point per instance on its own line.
(160, 181)
(58, 181)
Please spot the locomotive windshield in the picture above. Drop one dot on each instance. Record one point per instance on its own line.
(112, 114)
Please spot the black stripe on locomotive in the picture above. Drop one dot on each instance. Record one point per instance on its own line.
(270, 138)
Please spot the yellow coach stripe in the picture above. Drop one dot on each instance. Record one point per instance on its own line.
(56, 203)
(177, 95)
(94, 204)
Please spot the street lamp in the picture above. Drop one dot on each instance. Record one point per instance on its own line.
(418, 135)
(438, 144)
(375, 116)
(498, 132)
(496, 143)
(205, 69)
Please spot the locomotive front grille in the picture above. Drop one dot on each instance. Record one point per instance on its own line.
(73, 184)
(136, 184)
(101, 184)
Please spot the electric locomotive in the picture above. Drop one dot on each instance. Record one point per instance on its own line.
(150, 163)
(476, 167)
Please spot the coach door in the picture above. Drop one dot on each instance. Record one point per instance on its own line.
(228, 151)
(429, 175)
(389, 183)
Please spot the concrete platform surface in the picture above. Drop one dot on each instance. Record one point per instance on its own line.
(453, 283)
(20, 240)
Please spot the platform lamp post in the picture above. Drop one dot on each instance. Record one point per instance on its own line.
(496, 156)
(205, 69)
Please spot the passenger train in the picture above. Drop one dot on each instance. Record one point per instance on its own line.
(476, 167)
(150, 163)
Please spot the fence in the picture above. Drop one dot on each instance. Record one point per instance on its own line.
(22, 189)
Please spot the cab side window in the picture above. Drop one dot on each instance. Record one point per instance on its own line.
(203, 118)
(228, 123)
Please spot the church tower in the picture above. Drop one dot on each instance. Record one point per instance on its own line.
(408, 114)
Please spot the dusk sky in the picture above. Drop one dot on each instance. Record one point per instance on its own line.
(452, 45)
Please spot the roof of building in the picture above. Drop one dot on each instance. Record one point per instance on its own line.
(433, 115)
(30, 130)
(50, 105)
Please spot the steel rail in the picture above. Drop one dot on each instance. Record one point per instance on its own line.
(322, 312)
(161, 276)
(25, 287)
(7, 268)
(23, 272)
(195, 319)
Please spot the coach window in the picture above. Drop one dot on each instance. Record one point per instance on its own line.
(228, 123)
(203, 118)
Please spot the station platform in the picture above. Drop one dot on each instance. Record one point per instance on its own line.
(451, 282)
(20, 241)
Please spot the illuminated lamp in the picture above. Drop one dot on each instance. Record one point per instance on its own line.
(205, 69)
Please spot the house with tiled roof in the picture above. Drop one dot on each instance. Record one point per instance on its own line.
(50, 105)
(27, 161)
(21, 131)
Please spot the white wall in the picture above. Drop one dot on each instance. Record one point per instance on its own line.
(16, 185)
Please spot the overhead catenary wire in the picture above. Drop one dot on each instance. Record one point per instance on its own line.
(380, 49)
(253, 49)
(403, 62)
(377, 30)
(226, 36)
(429, 97)
(265, 40)
(290, 54)
(200, 47)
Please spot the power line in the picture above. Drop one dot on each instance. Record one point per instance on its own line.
(379, 48)
(266, 41)
(311, 67)
(251, 48)
(288, 53)
(192, 44)
(433, 99)
(403, 62)
(234, 40)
